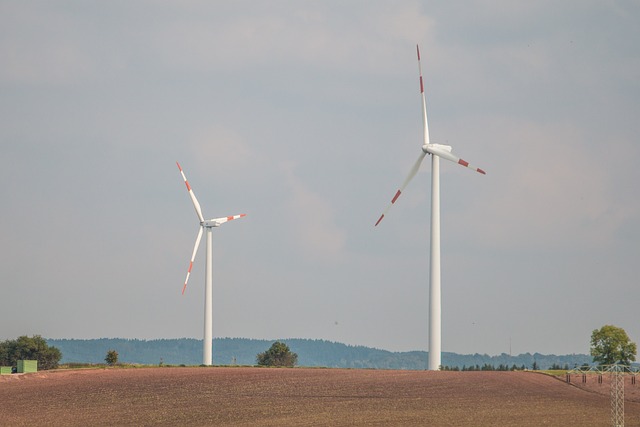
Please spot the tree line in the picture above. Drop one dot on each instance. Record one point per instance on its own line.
(609, 345)
(313, 353)
(25, 348)
(502, 367)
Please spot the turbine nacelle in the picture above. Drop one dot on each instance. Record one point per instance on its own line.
(436, 148)
(211, 223)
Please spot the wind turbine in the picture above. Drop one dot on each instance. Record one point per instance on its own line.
(208, 294)
(437, 151)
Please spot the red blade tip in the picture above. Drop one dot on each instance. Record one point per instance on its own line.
(396, 196)
(378, 222)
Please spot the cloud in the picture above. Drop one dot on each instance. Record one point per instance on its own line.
(314, 224)
(26, 59)
(306, 117)
(232, 36)
(222, 148)
(548, 189)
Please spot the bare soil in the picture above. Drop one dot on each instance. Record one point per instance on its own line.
(303, 397)
(601, 384)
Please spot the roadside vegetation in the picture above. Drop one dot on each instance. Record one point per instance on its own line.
(611, 345)
(278, 355)
(25, 348)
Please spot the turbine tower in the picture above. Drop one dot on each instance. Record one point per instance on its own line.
(208, 294)
(437, 151)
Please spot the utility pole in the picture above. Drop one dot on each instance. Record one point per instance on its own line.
(617, 395)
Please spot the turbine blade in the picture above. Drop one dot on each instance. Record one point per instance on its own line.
(227, 218)
(412, 173)
(193, 257)
(196, 205)
(425, 125)
(433, 149)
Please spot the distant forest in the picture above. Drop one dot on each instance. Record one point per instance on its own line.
(312, 353)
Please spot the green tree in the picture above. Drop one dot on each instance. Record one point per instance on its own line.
(25, 348)
(611, 345)
(278, 355)
(111, 358)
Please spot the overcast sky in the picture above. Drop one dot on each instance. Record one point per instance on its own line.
(306, 117)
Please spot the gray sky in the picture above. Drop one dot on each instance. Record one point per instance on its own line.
(306, 116)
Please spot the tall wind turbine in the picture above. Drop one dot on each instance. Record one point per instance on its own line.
(437, 151)
(208, 294)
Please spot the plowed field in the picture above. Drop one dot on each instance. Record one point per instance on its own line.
(300, 397)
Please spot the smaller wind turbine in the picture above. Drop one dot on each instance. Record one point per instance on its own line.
(437, 151)
(208, 293)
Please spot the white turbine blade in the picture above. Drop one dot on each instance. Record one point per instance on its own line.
(196, 205)
(425, 125)
(412, 173)
(440, 151)
(193, 257)
(227, 218)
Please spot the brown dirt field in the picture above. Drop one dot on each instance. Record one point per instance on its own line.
(631, 391)
(300, 397)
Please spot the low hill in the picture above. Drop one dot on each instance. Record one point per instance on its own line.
(243, 351)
